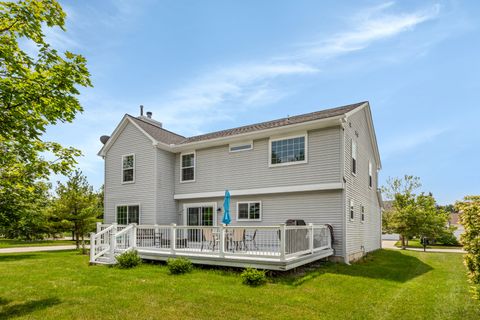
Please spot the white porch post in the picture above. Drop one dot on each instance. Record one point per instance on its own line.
(92, 246)
(173, 238)
(222, 240)
(99, 227)
(311, 236)
(283, 234)
(113, 242)
(155, 235)
(134, 236)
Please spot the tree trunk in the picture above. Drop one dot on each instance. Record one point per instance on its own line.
(424, 244)
(402, 237)
(77, 239)
(84, 250)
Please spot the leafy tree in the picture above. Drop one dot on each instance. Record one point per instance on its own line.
(412, 215)
(470, 218)
(401, 218)
(77, 206)
(36, 91)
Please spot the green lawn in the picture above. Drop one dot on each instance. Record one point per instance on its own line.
(389, 285)
(416, 244)
(9, 243)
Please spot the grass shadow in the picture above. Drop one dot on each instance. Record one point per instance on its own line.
(10, 311)
(16, 256)
(383, 264)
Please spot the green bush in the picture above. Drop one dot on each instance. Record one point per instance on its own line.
(253, 277)
(448, 237)
(128, 259)
(179, 265)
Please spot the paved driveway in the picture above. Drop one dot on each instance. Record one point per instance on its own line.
(390, 244)
(36, 249)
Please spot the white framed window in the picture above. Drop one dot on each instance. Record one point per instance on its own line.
(362, 213)
(128, 213)
(187, 167)
(370, 174)
(249, 211)
(241, 146)
(288, 150)
(128, 168)
(351, 210)
(354, 157)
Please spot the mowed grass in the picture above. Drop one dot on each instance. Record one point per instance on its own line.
(416, 244)
(389, 284)
(10, 243)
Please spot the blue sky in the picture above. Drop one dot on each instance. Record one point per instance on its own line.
(201, 66)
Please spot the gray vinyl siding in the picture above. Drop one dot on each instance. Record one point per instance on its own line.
(218, 169)
(366, 236)
(319, 207)
(130, 140)
(166, 207)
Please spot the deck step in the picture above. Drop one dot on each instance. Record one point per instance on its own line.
(103, 260)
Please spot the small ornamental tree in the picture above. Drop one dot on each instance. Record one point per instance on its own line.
(469, 210)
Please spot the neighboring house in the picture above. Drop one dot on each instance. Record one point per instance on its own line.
(454, 221)
(321, 167)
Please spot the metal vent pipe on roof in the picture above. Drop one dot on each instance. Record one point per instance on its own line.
(141, 110)
(149, 114)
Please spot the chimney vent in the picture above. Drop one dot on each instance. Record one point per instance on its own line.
(141, 110)
(149, 114)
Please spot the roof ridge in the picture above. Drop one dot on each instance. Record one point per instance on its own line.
(354, 105)
(156, 126)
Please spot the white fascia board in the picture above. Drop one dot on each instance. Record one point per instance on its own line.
(371, 130)
(247, 192)
(266, 133)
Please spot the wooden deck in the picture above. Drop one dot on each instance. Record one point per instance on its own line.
(265, 247)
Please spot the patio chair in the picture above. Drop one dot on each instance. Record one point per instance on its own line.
(209, 238)
(238, 238)
(251, 238)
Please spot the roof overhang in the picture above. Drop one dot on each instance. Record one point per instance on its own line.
(371, 130)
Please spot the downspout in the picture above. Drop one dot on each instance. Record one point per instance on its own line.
(344, 190)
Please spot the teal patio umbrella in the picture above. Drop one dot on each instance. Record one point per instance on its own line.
(226, 208)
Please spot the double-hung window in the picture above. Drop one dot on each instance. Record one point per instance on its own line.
(354, 157)
(370, 174)
(249, 211)
(352, 210)
(127, 214)
(187, 167)
(128, 168)
(291, 150)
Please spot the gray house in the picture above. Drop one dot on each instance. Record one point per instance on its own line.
(313, 169)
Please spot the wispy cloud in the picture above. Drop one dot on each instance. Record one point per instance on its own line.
(207, 98)
(371, 25)
(409, 141)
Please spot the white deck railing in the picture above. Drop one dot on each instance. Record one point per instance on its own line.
(277, 242)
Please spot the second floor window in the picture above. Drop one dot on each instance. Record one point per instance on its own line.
(187, 167)
(362, 212)
(288, 151)
(128, 168)
(352, 210)
(354, 157)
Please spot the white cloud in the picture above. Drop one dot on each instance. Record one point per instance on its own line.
(409, 141)
(369, 26)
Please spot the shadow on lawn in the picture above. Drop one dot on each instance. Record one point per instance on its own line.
(384, 264)
(16, 257)
(21, 309)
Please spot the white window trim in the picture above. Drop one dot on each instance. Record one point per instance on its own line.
(370, 174)
(249, 202)
(134, 168)
(244, 143)
(126, 205)
(354, 147)
(305, 135)
(200, 204)
(351, 205)
(194, 166)
(362, 213)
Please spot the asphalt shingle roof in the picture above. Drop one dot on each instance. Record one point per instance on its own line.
(168, 137)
